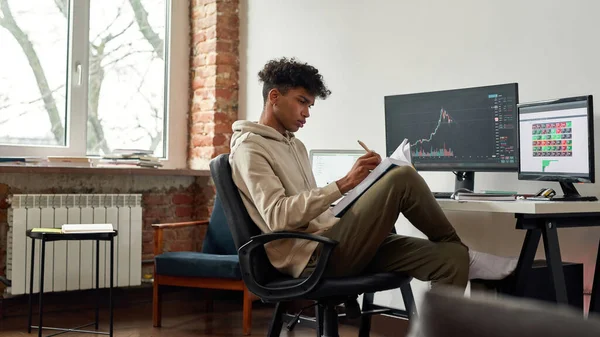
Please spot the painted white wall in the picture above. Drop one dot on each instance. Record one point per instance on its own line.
(371, 48)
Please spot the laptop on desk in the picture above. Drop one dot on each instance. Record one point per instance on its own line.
(330, 165)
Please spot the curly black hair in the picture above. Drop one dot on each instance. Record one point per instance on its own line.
(285, 74)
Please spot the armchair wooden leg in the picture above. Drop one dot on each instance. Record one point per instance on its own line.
(247, 312)
(156, 303)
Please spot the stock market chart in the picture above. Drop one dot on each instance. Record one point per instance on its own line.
(475, 125)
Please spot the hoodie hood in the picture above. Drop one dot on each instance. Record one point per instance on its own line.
(242, 127)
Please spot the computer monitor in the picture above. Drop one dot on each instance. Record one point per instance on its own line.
(331, 165)
(460, 130)
(556, 140)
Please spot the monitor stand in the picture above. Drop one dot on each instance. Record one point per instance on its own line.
(571, 194)
(464, 179)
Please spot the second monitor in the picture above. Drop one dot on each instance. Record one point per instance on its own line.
(461, 130)
(557, 143)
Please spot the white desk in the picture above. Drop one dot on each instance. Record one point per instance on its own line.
(520, 206)
(539, 218)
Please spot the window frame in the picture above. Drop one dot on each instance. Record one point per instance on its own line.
(77, 89)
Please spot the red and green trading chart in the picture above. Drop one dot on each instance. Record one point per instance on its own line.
(552, 140)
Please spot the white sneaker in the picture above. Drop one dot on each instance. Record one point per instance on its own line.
(485, 266)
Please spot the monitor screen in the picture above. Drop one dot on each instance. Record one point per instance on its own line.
(556, 140)
(470, 129)
(331, 165)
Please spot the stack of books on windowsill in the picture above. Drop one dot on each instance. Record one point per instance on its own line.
(131, 158)
(50, 161)
(69, 161)
(21, 161)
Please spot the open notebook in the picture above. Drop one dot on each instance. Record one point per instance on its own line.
(400, 157)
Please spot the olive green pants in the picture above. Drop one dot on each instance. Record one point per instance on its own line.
(367, 245)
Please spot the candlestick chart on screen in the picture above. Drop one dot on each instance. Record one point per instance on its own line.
(454, 127)
(431, 146)
(444, 129)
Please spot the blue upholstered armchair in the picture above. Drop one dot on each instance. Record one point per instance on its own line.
(216, 267)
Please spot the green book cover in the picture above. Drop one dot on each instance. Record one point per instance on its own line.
(47, 230)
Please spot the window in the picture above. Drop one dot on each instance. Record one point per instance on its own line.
(83, 77)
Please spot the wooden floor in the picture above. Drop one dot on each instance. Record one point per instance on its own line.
(181, 318)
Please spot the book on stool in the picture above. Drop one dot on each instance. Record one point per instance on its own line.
(77, 229)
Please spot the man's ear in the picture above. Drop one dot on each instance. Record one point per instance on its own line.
(274, 95)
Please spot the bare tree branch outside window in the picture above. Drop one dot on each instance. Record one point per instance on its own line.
(125, 51)
(8, 22)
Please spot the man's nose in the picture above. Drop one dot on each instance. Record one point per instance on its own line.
(306, 112)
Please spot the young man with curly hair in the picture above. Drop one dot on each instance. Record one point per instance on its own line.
(271, 168)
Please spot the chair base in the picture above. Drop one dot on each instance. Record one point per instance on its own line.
(326, 318)
(329, 328)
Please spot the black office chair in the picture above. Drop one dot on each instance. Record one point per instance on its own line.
(271, 286)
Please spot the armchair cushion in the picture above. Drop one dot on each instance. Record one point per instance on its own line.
(218, 239)
(194, 264)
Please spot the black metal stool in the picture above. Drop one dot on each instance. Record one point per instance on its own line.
(46, 237)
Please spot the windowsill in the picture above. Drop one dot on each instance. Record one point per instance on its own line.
(103, 170)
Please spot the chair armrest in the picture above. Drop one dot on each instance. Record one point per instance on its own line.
(265, 238)
(179, 224)
(158, 232)
(248, 250)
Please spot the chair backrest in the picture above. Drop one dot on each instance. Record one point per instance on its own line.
(241, 225)
(218, 239)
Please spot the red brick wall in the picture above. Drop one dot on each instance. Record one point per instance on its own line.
(214, 77)
(193, 202)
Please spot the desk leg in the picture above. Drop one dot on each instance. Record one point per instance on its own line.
(552, 248)
(42, 263)
(31, 285)
(97, 283)
(595, 297)
(110, 289)
(530, 244)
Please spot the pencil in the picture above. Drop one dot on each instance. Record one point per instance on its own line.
(364, 146)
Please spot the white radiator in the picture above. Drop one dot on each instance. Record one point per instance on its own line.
(70, 265)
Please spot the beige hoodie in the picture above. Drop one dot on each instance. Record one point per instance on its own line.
(277, 186)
